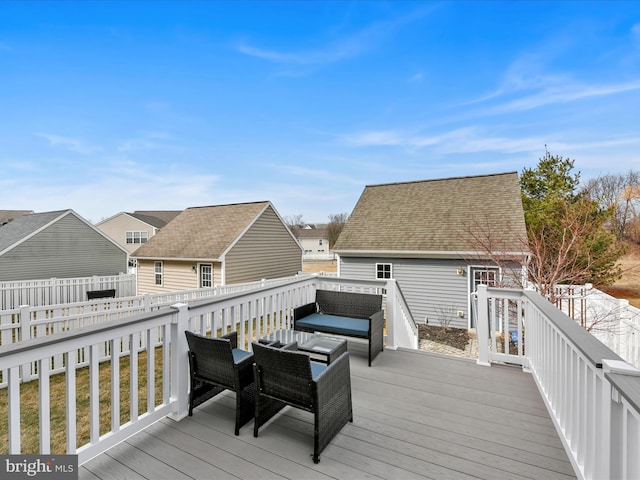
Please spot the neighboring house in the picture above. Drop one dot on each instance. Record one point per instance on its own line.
(218, 245)
(7, 216)
(314, 239)
(130, 230)
(58, 244)
(428, 236)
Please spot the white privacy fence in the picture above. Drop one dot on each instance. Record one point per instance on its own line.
(611, 320)
(593, 396)
(159, 344)
(54, 291)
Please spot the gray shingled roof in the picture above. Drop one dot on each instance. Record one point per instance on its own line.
(433, 215)
(10, 215)
(156, 218)
(319, 232)
(201, 232)
(25, 225)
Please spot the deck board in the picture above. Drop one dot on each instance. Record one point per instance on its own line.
(416, 416)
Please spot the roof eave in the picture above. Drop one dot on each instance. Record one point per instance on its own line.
(179, 259)
(424, 253)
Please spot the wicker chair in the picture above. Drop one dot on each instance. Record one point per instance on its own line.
(217, 364)
(288, 377)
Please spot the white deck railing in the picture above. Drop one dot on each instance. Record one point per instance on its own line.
(592, 395)
(158, 337)
(26, 321)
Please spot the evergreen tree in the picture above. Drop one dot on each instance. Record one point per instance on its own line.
(566, 229)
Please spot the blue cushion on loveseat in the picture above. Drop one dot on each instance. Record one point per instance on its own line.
(334, 324)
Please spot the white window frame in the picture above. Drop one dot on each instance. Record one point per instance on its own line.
(383, 271)
(201, 279)
(133, 237)
(158, 272)
(490, 276)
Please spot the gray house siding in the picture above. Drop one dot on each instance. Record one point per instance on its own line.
(434, 290)
(67, 248)
(266, 250)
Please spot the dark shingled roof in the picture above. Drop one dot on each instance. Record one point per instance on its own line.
(10, 215)
(201, 232)
(319, 232)
(433, 215)
(156, 218)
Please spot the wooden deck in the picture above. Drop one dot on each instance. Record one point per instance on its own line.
(416, 416)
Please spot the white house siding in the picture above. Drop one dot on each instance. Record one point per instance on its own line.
(312, 245)
(266, 250)
(117, 227)
(432, 287)
(67, 248)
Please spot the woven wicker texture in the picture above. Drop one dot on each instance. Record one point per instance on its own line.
(213, 370)
(284, 376)
(347, 304)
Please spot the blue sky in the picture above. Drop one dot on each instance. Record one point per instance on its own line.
(121, 106)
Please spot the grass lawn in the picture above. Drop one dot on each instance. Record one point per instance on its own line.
(29, 404)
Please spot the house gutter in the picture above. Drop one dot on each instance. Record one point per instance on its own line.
(179, 259)
(421, 253)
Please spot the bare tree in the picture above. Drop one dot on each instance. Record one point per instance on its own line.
(335, 226)
(573, 250)
(509, 252)
(622, 194)
(294, 221)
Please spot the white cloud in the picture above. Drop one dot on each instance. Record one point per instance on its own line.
(346, 47)
(457, 141)
(416, 77)
(396, 138)
(303, 172)
(145, 141)
(73, 144)
(564, 94)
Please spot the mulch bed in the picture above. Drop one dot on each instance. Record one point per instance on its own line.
(454, 337)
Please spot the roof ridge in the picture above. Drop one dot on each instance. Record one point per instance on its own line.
(228, 204)
(461, 177)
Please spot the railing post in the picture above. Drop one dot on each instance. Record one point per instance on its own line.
(392, 342)
(146, 300)
(612, 424)
(55, 292)
(25, 334)
(482, 326)
(179, 362)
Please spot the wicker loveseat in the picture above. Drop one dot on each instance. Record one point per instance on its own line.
(357, 315)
